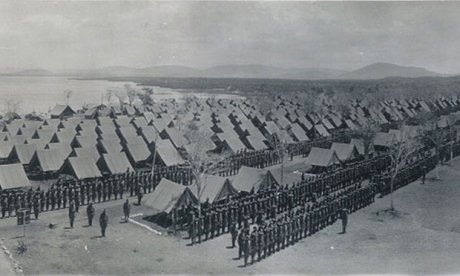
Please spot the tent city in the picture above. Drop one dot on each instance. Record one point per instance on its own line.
(145, 137)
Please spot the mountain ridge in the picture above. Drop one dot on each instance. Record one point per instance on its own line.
(379, 70)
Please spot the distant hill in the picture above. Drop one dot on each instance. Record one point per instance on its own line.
(252, 71)
(153, 71)
(222, 71)
(386, 70)
(270, 72)
(30, 72)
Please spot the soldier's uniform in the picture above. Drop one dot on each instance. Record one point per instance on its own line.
(253, 245)
(233, 233)
(240, 243)
(90, 213)
(36, 207)
(72, 213)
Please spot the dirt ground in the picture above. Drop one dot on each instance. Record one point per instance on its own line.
(423, 236)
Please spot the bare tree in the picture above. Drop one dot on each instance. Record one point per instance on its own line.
(200, 159)
(67, 94)
(366, 132)
(146, 96)
(121, 96)
(131, 93)
(12, 106)
(109, 94)
(432, 133)
(278, 142)
(400, 149)
(452, 119)
(263, 104)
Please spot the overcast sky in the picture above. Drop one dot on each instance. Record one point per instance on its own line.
(78, 34)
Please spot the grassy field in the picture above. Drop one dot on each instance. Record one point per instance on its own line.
(423, 236)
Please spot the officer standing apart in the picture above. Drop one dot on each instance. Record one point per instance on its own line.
(139, 197)
(72, 213)
(126, 209)
(103, 221)
(344, 218)
(90, 211)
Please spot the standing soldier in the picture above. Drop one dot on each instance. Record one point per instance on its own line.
(115, 190)
(53, 199)
(260, 243)
(253, 244)
(64, 197)
(423, 174)
(36, 207)
(4, 206)
(126, 209)
(200, 228)
(90, 213)
(83, 193)
(104, 191)
(120, 188)
(103, 222)
(193, 228)
(240, 243)
(77, 201)
(72, 213)
(109, 189)
(88, 193)
(246, 246)
(139, 197)
(344, 218)
(218, 221)
(58, 198)
(233, 232)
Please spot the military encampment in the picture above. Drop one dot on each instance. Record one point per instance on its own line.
(145, 137)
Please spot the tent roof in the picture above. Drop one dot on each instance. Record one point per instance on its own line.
(65, 149)
(5, 148)
(256, 144)
(249, 178)
(86, 140)
(25, 152)
(149, 133)
(322, 157)
(115, 163)
(83, 167)
(215, 188)
(13, 176)
(65, 135)
(384, 139)
(169, 195)
(168, 153)
(232, 140)
(89, 153)
(344, 151)
(49, 160)
(138, 152)
(110, 145)
(322, 130)
(59, 109)
(178, 140)
(299, 133)
(289, 178)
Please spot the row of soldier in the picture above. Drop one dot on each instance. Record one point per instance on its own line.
(274, 234)
(256, 159)
(80, 192)
(255, 207)
(273, 201)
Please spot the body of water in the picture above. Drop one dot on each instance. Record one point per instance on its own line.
(40, 94)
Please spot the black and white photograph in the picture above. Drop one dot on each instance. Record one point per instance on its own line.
(229, 137)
